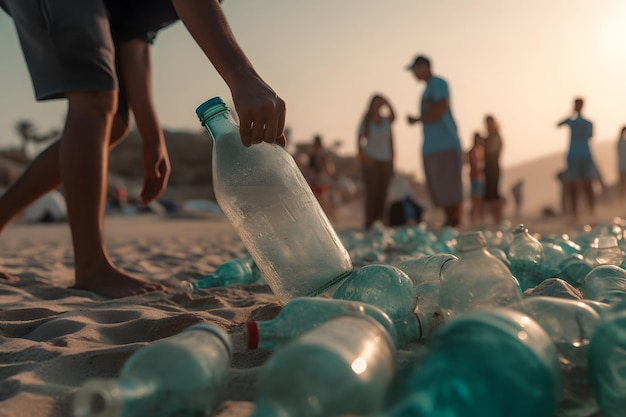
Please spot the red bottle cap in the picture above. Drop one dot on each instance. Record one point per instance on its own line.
(252, 334)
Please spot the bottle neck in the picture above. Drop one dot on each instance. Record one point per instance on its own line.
(112, 397)
(220, 124)
(269, 335)
(207, 281)
(472, 241)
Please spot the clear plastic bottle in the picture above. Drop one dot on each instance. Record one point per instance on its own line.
(426, 269)
(426, 273)
(607, 361)
(478, 280)
(267, 199)
(184, 374)
(343, 367)
(489, 363)
(528, 261)
(302, 314)
(570, 324)
(381, 285)
(604, 250)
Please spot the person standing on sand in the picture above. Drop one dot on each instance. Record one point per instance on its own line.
(320, 175)
(476, 159)
(581, 170)
(376, 154)
(441, 149)
(493, 150)
(88, 81)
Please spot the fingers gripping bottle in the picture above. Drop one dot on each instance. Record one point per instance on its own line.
(184, 374)
(267, 199)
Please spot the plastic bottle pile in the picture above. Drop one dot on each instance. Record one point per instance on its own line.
(490, 324)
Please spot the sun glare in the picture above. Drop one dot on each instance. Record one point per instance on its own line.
(612, 34)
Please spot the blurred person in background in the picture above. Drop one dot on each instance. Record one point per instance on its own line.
(441, 150)
(476, 160)
(581, 170)
(493, 151)
(376, 154)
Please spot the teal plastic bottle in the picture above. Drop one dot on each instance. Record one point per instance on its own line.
(381, 285)
(573, 270)
(184, 374)
(478, 280)
(342, 367)
(569, 246)
(234, 271)
(605, 283)
(489, 363)
(607, 361)
(268, 201)
(303, 314)
(528, 262)
(570, 324)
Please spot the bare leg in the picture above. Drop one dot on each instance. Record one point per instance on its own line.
(591, 200)
(453, 215)
(572, 187)
(83, 165)
(42, 176)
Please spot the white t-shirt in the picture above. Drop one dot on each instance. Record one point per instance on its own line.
(378, 144)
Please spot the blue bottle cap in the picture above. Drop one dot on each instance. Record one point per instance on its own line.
(208, 104)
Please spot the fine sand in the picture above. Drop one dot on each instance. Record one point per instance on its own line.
(52, 339)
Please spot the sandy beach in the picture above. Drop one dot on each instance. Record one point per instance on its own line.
(52, 338)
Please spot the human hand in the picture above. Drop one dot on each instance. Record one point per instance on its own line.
(156, 167)
(261, 112)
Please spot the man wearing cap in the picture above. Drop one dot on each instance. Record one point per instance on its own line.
(441, 149)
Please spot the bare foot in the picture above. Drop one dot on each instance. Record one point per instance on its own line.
(8, 277)
(114, 283)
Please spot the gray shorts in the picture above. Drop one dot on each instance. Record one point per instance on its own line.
(67, 45)
(443, 177)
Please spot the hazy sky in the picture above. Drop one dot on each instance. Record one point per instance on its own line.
(523, 62)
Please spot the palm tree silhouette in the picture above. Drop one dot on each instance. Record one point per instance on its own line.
(28, 133)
